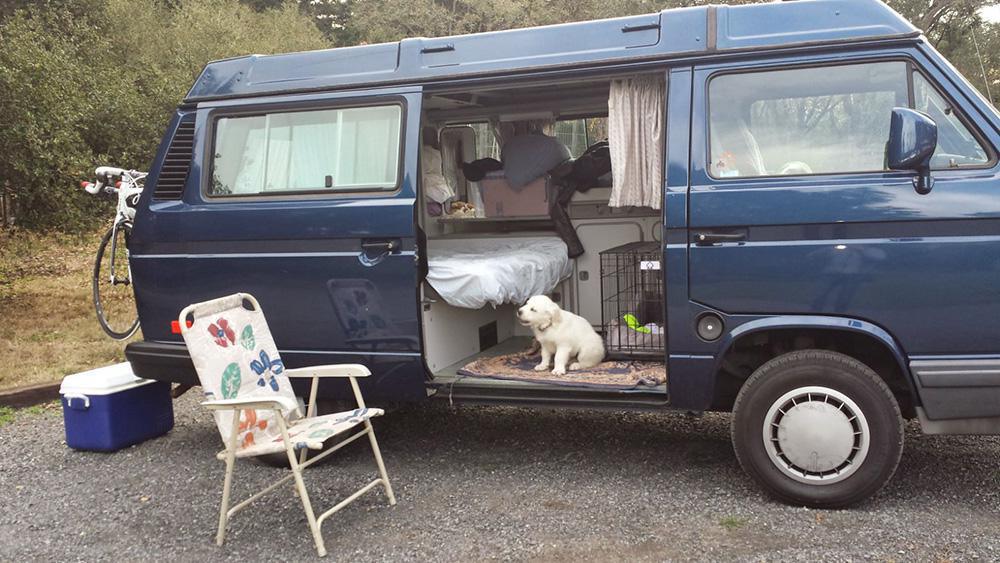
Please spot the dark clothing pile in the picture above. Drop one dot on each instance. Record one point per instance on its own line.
(529, 157)
(477, 169)
(585, 173)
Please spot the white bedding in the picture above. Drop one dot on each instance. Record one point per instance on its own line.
(473, 272)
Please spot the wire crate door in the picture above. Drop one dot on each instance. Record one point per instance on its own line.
(633, 316)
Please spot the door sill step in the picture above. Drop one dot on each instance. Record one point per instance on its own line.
(486, 391)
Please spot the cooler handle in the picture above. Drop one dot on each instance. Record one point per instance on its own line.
(69, 400)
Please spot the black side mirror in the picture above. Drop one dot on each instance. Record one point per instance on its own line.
(912, 140)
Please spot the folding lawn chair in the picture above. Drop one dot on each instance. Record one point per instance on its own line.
(255, 408)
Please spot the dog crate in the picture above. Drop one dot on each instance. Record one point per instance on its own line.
(633, 320)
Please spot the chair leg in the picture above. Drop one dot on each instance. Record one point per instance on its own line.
(381, 465)
(300, 486)
(227, 484)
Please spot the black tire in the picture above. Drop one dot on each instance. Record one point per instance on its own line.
(785, 379)
(115, 303)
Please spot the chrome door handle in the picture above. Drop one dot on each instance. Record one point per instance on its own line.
(375, 250)
(710, 238)
(377, 247)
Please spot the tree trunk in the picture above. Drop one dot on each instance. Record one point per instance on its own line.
(6, 206)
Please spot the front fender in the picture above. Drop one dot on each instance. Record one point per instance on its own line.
(841, 324)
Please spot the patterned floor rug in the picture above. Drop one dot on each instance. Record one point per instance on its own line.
(608, 375)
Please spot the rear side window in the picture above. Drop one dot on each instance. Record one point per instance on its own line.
(335, 150)
(804, 121)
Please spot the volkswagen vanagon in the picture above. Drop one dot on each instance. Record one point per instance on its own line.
(801, 223)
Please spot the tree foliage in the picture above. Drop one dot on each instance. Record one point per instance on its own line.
(87, 82)
(84, 82)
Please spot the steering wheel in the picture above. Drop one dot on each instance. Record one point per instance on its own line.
(795, 167)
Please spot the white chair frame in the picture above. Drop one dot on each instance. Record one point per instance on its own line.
(297, 463)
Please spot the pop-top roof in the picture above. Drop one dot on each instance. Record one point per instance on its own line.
(670, 33)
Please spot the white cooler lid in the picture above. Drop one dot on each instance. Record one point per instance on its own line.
(102, 381)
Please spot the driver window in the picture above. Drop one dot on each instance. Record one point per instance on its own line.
(957, 146)
(821, 120)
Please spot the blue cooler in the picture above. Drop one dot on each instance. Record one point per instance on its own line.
(109, 408)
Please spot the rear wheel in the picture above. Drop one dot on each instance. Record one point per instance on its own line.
(817, 428)
(114, 299)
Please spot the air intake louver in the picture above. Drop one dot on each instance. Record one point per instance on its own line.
(176, 164)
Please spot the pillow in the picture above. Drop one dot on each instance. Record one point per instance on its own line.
(529, 157)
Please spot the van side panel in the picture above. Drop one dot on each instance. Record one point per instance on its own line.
(301, 256)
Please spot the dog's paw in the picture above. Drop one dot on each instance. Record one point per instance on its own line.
(541, 367)
(559, 371)
(574, 366)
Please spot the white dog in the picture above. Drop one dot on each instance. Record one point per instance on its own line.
(562, 335)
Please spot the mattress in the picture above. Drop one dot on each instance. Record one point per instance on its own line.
(470, 273)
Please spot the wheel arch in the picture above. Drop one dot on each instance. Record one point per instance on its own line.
(862, 340)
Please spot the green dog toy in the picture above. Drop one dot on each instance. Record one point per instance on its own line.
(633, 323)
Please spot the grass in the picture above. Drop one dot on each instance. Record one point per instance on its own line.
(8, 414)
(732, 522)
(49, 328)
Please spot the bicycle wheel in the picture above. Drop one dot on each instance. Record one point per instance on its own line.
(114, 299)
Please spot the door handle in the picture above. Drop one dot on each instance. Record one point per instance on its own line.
(374, 251)
(376, 247)
(710, 238)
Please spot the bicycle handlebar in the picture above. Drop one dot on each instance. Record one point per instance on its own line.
(109, 171)
(105, 176)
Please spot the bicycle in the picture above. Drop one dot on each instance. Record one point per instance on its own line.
(114, 300)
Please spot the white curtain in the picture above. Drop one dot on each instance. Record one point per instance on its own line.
(436, 186)
(357, 147)
(314, 145)
(251, 169)
(449, 161)
(636, 138)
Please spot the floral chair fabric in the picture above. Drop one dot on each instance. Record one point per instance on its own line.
(235, 356)
(307, 432)
(239, 367)
(232, 350)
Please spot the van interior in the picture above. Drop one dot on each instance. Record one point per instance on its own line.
(490, 246)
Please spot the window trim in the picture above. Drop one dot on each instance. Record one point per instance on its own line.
(215, 114)
(910, 67)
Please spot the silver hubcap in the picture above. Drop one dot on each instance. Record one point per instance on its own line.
(816, 435)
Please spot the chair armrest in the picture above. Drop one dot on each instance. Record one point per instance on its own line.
(278, 403)
(333, 370)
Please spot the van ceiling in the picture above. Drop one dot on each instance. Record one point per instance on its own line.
(566, 98)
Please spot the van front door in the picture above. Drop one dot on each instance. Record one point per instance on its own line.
(793, 212)
(306, 202)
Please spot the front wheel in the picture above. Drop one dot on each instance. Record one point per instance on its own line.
(817, 428)
(114, 299)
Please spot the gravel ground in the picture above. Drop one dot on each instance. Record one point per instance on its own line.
(475, 483)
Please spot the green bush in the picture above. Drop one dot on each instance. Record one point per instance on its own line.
(89, 82)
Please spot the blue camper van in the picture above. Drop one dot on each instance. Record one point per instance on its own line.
(801, 223)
